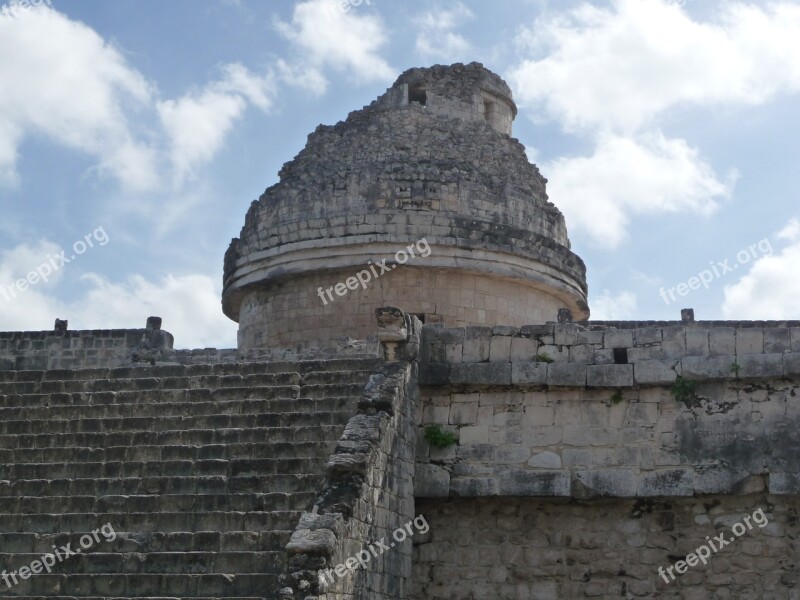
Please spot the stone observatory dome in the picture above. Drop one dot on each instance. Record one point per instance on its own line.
(421, 200)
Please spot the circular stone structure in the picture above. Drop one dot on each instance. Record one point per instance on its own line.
(429, 169)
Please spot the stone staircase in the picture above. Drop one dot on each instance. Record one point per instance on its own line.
(195, 476)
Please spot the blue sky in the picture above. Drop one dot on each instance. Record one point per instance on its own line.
(134, 134)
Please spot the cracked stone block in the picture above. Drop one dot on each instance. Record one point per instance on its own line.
(648, 335)
(654, 372)
(431, 481)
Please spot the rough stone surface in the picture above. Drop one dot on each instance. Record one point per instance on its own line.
(545, 549)
(392, 174)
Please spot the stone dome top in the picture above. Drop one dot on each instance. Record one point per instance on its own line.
(430, 158)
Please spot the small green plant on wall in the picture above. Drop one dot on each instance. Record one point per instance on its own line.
(683, 390)
(439, 438)
(543, 357)
(617, 397)
(735, 368)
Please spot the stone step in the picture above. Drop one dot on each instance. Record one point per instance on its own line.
(223, 435)
(134, 424)
(168, 383)
(180, 541)
(142, 521)
(148, 585)
(179, 407)
(160, 468)
(95, 559)
(219, 369)
(134, 397)
(143, 503)
(296, 488)
(164, 452)
(140, 396)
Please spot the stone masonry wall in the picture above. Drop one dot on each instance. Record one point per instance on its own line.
(293, 313)
(523, 548)
(368, 492)
(110, 348)
(390, 175)
(584, 426)
(33, 350)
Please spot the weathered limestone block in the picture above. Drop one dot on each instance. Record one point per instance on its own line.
(697, 342)
(791, 364)
(620, 483)
(722, 341)
(500, 348)
(703, 368)
(523, 349)
(528, 373)
(618, 338)
(760, 365)
(431, 481)
(655, 372)
(317, 541)
(609, 375)
(646, 336)
(777, 340)
(534, 483)
(749, 341)
(566, 374)
(481, 373)
(545, 460)
(477, 341)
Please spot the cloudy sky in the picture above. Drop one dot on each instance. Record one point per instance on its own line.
(135, 133)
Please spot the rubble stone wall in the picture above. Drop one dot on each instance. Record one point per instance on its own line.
(504, 548)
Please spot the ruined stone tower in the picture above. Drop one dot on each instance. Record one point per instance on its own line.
(432, 159)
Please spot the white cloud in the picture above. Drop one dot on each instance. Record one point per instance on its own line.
(613, 307)
(79, 91)
(197, 123)
(436, 39)
(328, 36)
(770, 290)
(74, 89)
(791, 232)
(645, 175)
(618, 68)
(610, 73)
(189, 304)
